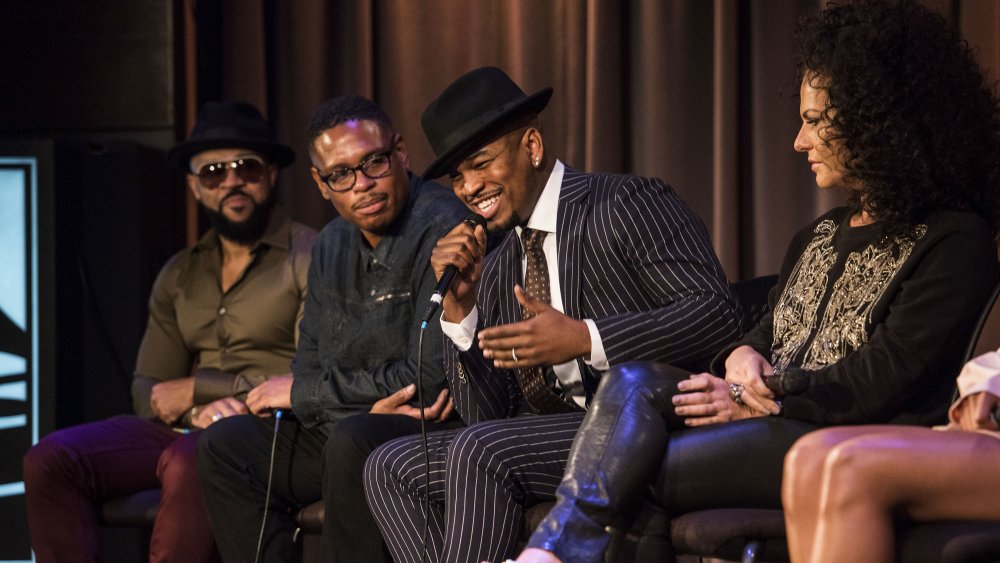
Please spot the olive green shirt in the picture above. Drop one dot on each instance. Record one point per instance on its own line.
(229, 341)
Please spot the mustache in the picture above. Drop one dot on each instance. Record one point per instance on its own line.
(233, 193)
(368, 201)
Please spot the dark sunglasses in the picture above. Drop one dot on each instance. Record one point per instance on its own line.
(248, 168)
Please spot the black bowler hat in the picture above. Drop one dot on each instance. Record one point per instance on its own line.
(224, 125)
(472, 112)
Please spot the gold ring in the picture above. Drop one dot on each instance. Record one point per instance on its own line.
(513, 354)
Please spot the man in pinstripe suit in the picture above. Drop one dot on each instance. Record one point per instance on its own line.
(631, 276)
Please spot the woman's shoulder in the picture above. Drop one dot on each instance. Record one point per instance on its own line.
(959, 241)
(961, 233)
(949, 220)
(938, 224)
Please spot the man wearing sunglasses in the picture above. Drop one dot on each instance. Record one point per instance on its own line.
(222, 319)
(356, 367)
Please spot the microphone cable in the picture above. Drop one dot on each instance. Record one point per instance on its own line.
(270, 474)
(473, 220)
(423, 441)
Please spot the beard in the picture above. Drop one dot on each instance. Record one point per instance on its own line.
(244, 232)
(499, 228)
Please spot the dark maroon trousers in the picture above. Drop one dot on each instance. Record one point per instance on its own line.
(70, 472)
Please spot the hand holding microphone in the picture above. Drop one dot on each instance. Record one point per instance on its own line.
(458, 253)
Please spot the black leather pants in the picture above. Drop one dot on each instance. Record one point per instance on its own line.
(632, 447)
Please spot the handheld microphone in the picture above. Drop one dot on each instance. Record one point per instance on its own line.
(449, 273)
(792, 381)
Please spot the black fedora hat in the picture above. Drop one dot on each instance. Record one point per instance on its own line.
(473, 111)
(223, 125)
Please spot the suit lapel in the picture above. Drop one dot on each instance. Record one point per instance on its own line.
(573, 209)
(574, 206)
(508, 274)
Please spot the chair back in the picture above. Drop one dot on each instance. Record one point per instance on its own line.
(990, 316)
(752, 295)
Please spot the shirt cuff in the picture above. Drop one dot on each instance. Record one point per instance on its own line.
(212, 384)
(598, 358)
(979, 374)
(461, 334)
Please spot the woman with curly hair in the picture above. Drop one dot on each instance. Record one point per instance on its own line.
(874, 302)
(844, 487)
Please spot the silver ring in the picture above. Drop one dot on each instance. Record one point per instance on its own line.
(736, 392)
(513, 354)
(217, 417)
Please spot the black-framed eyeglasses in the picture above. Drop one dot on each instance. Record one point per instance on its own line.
(249, 169)
(374, 167)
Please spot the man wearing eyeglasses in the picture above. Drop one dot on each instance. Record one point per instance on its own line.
(357, 362)
(222, 319)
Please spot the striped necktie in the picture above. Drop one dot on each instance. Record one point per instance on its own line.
(536, 283)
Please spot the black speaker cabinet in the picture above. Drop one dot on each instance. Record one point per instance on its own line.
(84, 228)
(118, 218)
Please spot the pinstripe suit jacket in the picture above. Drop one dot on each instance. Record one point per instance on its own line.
(633, 258)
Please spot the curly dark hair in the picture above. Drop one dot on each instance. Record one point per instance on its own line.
(335, 111)
(918, 121)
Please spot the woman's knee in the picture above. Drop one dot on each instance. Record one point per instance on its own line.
(808, 456)
(854, 471)
(803, 467)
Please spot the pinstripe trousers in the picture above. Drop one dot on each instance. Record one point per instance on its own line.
(481, 480)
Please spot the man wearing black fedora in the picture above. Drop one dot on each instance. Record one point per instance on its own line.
(223, 318)
(594, 270)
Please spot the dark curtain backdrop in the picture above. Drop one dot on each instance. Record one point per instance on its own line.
(700, 93)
